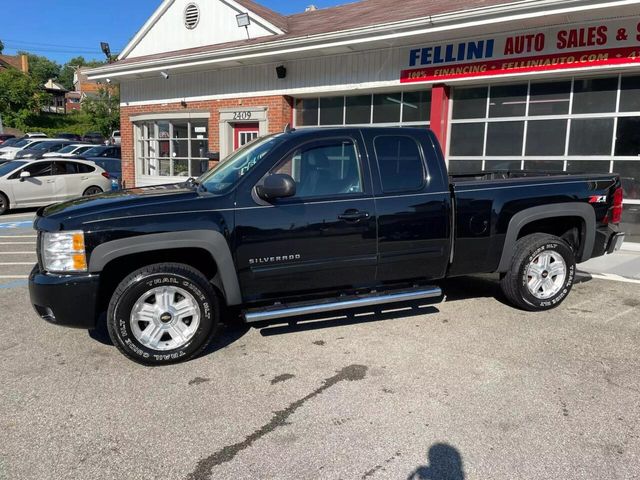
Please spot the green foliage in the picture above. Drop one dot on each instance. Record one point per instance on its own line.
(1, 46)
(69, 68)
(20, 98)
(51, 124)
(41, 69)
(104, 110)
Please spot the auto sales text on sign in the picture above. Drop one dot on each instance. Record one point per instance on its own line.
(576, 46)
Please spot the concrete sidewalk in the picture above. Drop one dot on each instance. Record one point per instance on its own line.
(625, 263)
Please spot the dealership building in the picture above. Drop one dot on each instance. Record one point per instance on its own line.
(533, 84)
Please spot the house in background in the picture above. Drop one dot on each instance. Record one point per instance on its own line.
(73, 100)
(19, 62)
(57, 101)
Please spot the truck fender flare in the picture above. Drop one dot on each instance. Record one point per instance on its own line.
(212, 241)
(523, 218)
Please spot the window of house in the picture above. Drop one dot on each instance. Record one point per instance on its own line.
(172, 148)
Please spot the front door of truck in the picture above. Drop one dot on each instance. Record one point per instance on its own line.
(413, 204)
(323, 238)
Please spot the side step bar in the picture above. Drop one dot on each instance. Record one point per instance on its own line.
(357, 301)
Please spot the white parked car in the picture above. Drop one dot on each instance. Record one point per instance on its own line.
(9, 153)
(42, 182)
(115, 139)
(69, 151)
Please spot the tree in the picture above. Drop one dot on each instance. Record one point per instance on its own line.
(104, 110)
(41, 69)
(69, 68)
(20, 98)
(1, 46)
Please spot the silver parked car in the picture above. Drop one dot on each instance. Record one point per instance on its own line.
(69, 150)
(42, 182)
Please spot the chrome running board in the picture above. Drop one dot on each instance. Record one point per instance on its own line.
(356, 301)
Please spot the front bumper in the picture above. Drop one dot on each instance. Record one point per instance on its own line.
(68, 300)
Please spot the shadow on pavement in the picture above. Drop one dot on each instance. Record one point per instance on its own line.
(445, 463)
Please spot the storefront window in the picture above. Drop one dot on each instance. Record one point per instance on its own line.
(550, 98)
(399, 108)
(172, 148)
(508, 101)
(505, 139)
(595, 95)
(546, 137)
(470, 102)
(591, 136)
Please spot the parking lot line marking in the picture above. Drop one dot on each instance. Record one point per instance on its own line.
(14, 277)
(17, 236)
(17, 253)
(614, 278)
(17, 243)
(13, 264)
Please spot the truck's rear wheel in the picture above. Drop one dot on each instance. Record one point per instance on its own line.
(542, 273)
(164, 313)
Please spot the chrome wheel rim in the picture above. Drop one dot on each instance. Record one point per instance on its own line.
(546, 275)
(165, 318)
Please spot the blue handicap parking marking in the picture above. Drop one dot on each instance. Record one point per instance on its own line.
(13, 225)
(14, 284)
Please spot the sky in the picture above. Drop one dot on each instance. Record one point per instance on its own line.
(68, 28)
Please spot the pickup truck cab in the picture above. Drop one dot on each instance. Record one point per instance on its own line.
(306, 222)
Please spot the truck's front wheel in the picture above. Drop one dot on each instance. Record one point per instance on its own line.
(164, 313)
(542, 273)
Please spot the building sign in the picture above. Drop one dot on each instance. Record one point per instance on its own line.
(576, 46)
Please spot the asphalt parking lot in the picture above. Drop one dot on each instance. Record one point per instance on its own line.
(470, 388)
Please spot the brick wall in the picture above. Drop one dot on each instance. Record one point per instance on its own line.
(280, 109)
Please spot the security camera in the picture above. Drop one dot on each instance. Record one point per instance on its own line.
(108, 80)
(165, 75)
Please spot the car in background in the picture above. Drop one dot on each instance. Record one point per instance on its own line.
(35, 135)
(102, 151)
(38, 183)
(10, 142)
(70, 136)
(113, 166)
(37, 150)
(9, 153)
(115, 139)
(94, 137)
(4, 137)
(70, 150)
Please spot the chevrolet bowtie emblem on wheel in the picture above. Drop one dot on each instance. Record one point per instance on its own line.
(268, 260)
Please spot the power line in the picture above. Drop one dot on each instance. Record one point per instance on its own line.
(54, 45)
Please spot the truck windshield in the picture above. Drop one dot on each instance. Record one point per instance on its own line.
(238, 165)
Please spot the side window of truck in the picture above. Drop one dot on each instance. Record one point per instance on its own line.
(324, 170)
(400, 162)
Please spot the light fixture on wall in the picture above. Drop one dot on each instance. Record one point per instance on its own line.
(281, 71)
(165, 75)
(244, 20)
(108, 80)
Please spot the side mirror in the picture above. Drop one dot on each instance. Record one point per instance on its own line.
(277, 186)
(24, 175)
(213, 156)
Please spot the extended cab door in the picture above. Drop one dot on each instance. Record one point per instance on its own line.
(413, 204)
(322, 239)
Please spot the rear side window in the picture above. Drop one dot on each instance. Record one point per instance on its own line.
(82, 168)
(401, 164)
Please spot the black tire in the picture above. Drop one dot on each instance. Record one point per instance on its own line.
(92, 191)
(4, 204)
(130, 293)
(516, 282)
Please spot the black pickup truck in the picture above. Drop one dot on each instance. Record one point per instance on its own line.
(306, 222)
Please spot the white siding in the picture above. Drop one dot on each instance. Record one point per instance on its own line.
(328, 73)
(217, 25)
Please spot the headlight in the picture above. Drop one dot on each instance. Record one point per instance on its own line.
(64, 252)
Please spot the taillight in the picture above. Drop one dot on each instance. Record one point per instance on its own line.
(106, 175)
(616, 210)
